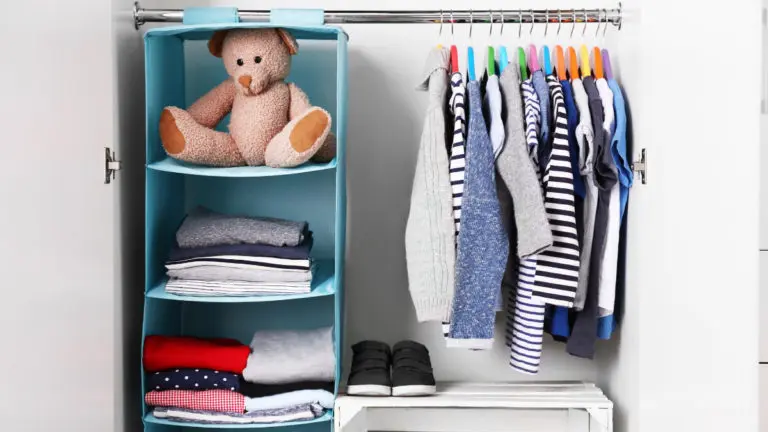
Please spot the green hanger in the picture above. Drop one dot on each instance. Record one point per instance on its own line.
(523, 63)
(491, 61)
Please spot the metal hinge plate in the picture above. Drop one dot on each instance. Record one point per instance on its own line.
(641, 167)
(111, 165)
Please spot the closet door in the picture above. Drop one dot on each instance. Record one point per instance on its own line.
(57, 248)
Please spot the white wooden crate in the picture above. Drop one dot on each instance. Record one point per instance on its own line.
(481, 407)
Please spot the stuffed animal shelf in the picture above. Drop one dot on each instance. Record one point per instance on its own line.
(271, 122)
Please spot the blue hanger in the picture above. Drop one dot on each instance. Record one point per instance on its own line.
(470, 53)
(503, 60)
(471, 63)
(547, 61)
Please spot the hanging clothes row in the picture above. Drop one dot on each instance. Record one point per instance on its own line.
(518, 201)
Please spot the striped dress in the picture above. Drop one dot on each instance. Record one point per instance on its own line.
(557, 268)
(457, 163)
(525, 314)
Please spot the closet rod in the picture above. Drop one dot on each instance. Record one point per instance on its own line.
(479, 16)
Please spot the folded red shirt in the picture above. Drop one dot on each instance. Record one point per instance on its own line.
(167, 352)
(205, 400)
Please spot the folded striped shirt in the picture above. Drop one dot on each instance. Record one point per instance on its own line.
(219, 273)
(280, 415)
(242, 262)
(234, 288)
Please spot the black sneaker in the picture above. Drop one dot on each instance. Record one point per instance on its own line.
(411, 370)
(370, 369)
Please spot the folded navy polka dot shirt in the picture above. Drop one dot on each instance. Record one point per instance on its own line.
(193, 379)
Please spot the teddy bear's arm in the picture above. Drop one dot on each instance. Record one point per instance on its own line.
(214, 105)
(299, 102)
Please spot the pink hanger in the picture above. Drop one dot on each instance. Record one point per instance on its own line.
(533, 59)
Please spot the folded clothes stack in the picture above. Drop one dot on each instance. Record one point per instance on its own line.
(225, 255)
(224, 381)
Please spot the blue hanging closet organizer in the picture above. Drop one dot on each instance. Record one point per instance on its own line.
(178, 70)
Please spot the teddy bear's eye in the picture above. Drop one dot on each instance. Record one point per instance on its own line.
(257, 59)
(240, 62)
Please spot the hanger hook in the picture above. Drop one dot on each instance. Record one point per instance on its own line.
(471, 19)
(533, 19)
(573, 22)
(605, 12)
(441, 24)
(586, 18)
(559, 21)
(519, 23)
(597, 30)
(490, 30)
(451, 22)
(546, 18)
(501, 31)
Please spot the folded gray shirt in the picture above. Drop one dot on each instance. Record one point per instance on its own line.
(203, 227)
(284, 356)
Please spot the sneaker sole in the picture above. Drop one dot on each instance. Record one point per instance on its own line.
(369, 390)
(414, 390)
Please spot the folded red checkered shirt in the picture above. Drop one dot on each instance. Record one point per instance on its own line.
(206, 400)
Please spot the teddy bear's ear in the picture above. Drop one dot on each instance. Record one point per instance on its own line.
(289, 40)
(216, 43)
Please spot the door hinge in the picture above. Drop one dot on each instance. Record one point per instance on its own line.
(111, 165)
(641, 167)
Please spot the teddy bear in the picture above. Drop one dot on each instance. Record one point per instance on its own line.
(272, 122)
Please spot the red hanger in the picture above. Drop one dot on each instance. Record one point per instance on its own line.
(454, 59)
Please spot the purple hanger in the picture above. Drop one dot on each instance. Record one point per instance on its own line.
(607, 65)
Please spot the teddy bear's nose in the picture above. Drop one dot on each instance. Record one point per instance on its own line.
(245, 81)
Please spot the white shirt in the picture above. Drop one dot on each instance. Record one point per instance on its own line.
(610, 259)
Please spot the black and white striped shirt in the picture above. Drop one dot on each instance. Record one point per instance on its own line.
(457, 162)
(557, 268)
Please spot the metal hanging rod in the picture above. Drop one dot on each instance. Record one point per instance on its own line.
(512, 16)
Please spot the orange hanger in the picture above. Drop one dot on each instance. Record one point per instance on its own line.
(598, 60)
(560, 63)
(585, 70)
(573, 63)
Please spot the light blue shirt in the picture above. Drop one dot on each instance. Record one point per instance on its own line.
(285, 400)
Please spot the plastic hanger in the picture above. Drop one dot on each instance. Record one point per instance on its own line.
(598, 60)
(491, 61)
(607, 65)
(440, 35)
(491, 57)
(523, 64)
(547, 61)
(470, 52)
(585, 71)
(560, 58)
(503, 59)
(573, 63)
(454, 51)
(533, 59)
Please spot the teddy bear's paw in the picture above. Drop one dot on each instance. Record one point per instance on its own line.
(172, 138)
(328, 150)
(301, 139)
